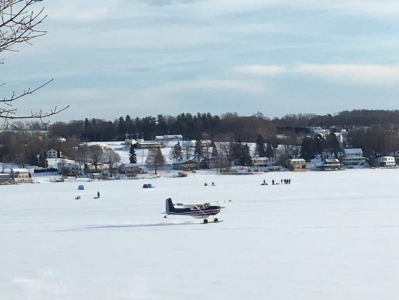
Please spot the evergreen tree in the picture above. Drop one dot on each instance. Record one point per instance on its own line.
(162, 126)
(87, 130)
(198, 151)
(214, 150)
(269, 151)
(260, 146)
(245, 159)
(237, 151)
(122, 130)
(332, 144)
(318, 144)
(130, 127)
(176, 152)
(132, 154)
(139, 129)
(307, 152)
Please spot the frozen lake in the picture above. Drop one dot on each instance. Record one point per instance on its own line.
(327, 235)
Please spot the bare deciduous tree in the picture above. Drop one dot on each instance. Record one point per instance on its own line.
(18, 25)
(155, 159)
(111, 157)
(82, 155)
(176, 153)
(96, 155)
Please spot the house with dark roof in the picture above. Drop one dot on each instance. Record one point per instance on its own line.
(185, 165)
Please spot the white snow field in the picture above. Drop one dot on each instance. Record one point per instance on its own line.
(327, 235)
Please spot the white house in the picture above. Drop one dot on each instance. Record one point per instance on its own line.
(260, 163)
(5, 178)
(353, 157)
(329, 164)
(298, 164)
(132, 169)
(71, 169)
(319, 131)
(387, 161)
(21, 175)
(185, 165)
(169, 138)
(91, 168)
(52, 153)
(149, 145)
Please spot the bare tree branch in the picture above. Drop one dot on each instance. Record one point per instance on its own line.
(18, 24)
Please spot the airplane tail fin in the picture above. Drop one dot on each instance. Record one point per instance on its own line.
(169, 206)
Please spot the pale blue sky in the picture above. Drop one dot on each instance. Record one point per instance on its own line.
(110, 58)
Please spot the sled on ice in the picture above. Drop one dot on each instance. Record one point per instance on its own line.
(207, 211)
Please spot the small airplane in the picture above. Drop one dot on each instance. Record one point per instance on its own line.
(206, 211)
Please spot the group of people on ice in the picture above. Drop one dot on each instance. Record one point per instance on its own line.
(282, 181)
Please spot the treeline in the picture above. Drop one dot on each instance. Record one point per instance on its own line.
(191, 127)
(345, 119)
(221, 128)
(375, 131)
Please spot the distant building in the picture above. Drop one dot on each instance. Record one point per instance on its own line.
(131, 170)
(5, 178)
(297, 164)
(114, 168)
(353, 157)
(169, 138)
(149, 145)
(21, 176)
(386, 161)
(94, 175)
(258, 162)
(185, 165)
(319, 131)
(330, 164)
(53, 153)
(71, 169)
(91, 168)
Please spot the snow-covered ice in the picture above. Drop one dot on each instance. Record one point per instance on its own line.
(327, 235)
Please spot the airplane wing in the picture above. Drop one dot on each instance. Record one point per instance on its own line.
(218, 202)
(190, 204)
(202, 203)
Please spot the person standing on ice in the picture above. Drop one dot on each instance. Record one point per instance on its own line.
(98, 194)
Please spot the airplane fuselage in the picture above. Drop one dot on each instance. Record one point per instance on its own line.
(194, 212)
(200, 211)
